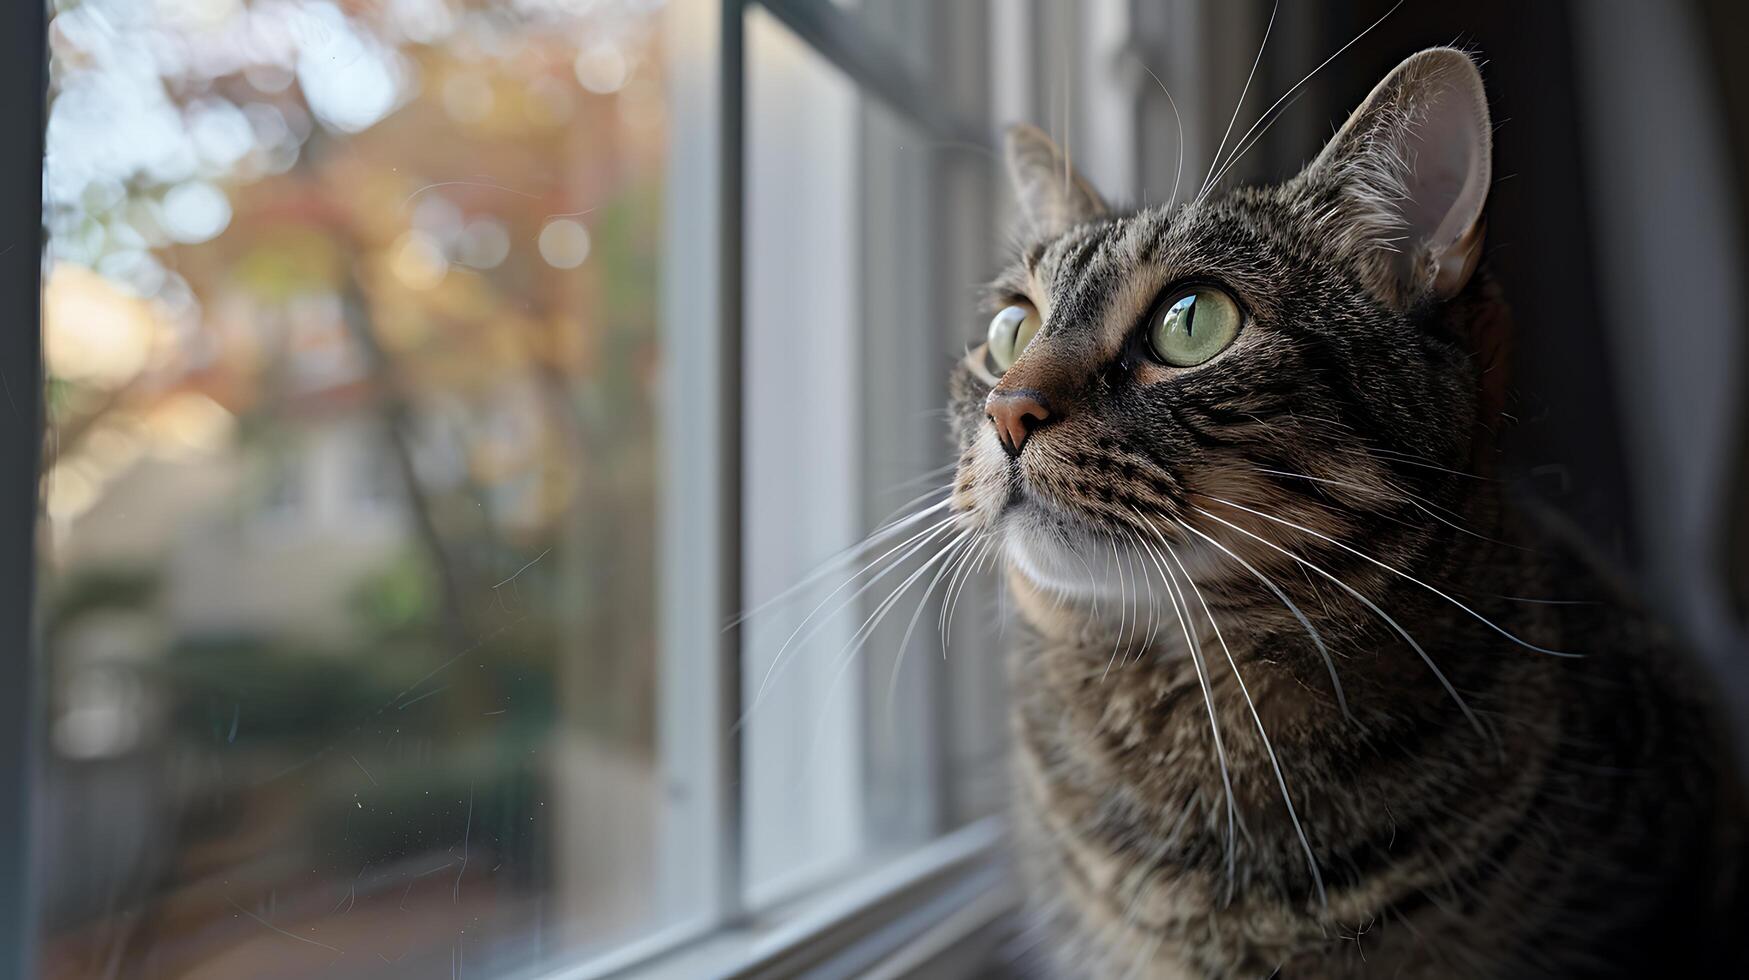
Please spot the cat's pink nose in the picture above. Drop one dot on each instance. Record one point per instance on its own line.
(1015, 414)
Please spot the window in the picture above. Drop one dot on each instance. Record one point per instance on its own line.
(404, 468)
(350, 589)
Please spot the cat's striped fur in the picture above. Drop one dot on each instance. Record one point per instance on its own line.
(1443, 791)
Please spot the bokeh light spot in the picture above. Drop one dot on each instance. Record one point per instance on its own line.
(93, 331)
(195, 211)
(484, 244)
(602, 68)
(564, 243)
(418, 261)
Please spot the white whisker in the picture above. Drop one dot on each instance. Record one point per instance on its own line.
(874, 539)
(1177, 120)
(957, 564)
(1275, 763)
(965, 574)
(1321, 66)
(1122, 611)
(1182, 611)
(1215, 162)
(1401, 574)
(860, 638)
(921, 539)
(1154, 618)
(1239, 150)
(1408, 459)
(1425, 658)
(1311, 631)
(1418, 502)
(962, 547)
(1135, 606)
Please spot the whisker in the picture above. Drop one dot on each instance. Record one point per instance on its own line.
(921, 539)
(936, 473)
(1432, 510)
(1425, 658)
(1400, 573)
(1311, 631)
(1321, 66)
(863, 633)
(1215, 162)
(1122, 610)
(1093, 609)
(827, 567)
(1409, 459)
(994, 558)
(941, 615)
(1240, 150)
(1177, 120)
(1275, 763)
(964, 575)
(1154, 619)
(1547, 602)
(1131, 551)
(1408, 497)
(958, 562)
(963, 548)
(1182, 611)
(1313, 585)
(1135, 606)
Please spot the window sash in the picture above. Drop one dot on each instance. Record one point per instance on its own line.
(700, 589)
(717, 568)
(23, 92)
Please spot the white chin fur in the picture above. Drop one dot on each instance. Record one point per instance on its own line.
(1080, 566)
(1077, 566)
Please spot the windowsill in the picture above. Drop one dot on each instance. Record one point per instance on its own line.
(888, 921)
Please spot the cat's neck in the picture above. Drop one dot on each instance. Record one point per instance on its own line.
(1153, 744)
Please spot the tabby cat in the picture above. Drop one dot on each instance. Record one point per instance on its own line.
(1300, 692)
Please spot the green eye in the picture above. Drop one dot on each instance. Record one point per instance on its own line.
(1010, 331)
(1193, 326)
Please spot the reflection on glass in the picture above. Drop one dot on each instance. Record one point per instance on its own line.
(350, 488)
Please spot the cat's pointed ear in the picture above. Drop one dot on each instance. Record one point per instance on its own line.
(1412, 168)
(1052, 196)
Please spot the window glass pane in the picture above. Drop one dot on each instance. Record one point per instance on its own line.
(864, 238)
(803, 769)
(350, 591)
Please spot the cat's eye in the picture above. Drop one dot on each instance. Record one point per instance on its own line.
(1193, 326)
(1010, 331)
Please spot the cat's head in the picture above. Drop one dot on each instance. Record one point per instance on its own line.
(1307, 350)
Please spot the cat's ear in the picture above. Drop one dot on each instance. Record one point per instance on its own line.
(1412, 168)
(1052, 196)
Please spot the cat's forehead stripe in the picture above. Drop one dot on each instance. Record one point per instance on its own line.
(1086, 277)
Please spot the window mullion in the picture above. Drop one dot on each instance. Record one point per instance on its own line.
(699, 700)
(731, 885)
(22, 100)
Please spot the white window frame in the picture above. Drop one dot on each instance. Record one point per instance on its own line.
(950, 887)
(941, 897)
(23, 105)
